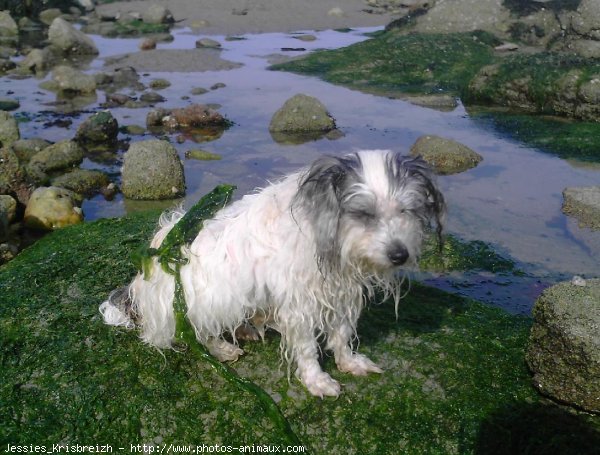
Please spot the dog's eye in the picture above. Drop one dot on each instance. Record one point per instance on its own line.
(366, 215)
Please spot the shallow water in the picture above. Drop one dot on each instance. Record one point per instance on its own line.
(512, 200)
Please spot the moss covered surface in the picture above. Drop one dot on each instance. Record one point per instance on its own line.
(540, 78)
(455, 379)
(459, 255)
(408, 63)
(395, 62)
(562, 137)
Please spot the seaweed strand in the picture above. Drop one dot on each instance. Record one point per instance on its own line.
(170, 257)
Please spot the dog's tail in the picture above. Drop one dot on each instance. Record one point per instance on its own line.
(118, 309)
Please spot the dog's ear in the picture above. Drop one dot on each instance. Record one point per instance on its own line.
(319, 196)
(434, 205)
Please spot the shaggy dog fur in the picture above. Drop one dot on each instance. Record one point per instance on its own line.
(301, 256)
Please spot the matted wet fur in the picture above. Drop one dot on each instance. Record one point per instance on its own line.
(300, 256)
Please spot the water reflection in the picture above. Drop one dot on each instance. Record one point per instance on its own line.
(512, 200)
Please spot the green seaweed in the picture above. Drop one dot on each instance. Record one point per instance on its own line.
(169, 253)
(541, 75)
(170, 257)
(138, 27)
(455, 381)
(424, 63)
(458, 255)
(562, 137)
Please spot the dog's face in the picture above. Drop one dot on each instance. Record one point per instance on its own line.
(370, 209)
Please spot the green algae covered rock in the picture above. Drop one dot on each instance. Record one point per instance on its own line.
(394, 62)
(444, 155)
(564, 348)
(455, 381)
(301, 114)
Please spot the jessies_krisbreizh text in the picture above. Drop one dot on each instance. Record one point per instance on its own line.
(58, 448)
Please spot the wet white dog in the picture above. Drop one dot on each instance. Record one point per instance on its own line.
(301, 256)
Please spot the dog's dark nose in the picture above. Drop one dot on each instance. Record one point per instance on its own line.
(398, 254)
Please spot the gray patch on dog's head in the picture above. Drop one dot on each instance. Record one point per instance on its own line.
(403, 171)
(320, 195)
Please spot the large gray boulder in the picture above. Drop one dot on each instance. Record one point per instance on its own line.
(583, 203)
(302, 114)
(564, 346)
(152, 170)
(52, 208)
(445, 156)
(66, 39)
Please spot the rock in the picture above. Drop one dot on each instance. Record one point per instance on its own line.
(152, 170)
(301, 114)
(217, 86)
(25, 149)
(507, 47)
(464, 16)
(336, 12)
(87, 5)
(62, 155)
(148, 44)
(69, 79)
(6, 65)
(9, 104)
(194, 115)
(208, 43)
(583, 204)
(82, 181)
(66, 39)
(157, 14)
(48, 16)
(198, 91)
(305, 38)
(117, 99)
(100, 127)
(202, 155)
(8, 208)
(564, 345)
(9, 129)
(445, 156)
(439, 102)
(11, 173)
(8, 26)
(152, 97)
(52, 208)
(134, 130)
(586, 21)
(585, 47)
(8, 211)
(37, 60)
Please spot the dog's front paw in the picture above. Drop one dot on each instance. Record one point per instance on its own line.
(224, 351)
(358, 365)
(320, 384)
